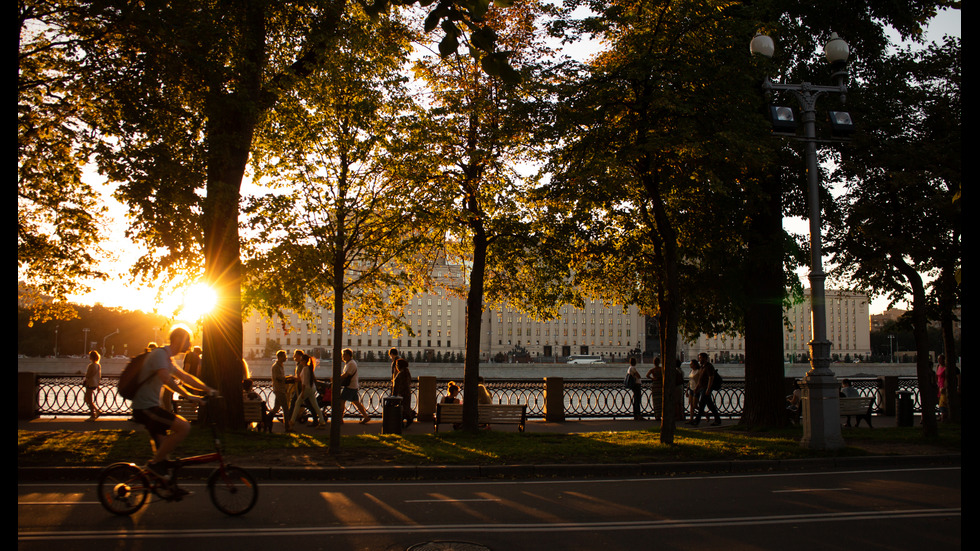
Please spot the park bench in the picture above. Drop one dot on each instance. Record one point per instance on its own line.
(254, 410)
(251, 408)
(487, 414)
(859, 407)
(186, 409)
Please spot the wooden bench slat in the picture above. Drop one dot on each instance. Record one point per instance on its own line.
(186, 409)
(487, 414)
(857, 406)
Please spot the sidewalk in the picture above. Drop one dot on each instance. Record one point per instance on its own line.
(442, 472)
(351, 425)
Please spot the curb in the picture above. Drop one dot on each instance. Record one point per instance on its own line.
(471, 472)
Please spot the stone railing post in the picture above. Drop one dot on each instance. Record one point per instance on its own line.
(888, 386)
(427, 398)
(26, 395)
(554, 399)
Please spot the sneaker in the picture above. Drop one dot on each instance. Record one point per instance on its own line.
(715, 423)
(365, 420)
(178, 493)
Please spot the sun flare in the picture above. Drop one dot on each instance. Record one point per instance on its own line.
(199, 300)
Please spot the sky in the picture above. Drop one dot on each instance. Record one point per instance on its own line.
(118, 291)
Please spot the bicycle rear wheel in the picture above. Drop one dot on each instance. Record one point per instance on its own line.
(233, 491)
(123, 488)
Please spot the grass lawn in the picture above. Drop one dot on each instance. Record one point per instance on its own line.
(101, 447)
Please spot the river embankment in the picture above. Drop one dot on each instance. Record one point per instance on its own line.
(376, 370)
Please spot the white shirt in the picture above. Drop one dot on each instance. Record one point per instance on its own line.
(350, 368)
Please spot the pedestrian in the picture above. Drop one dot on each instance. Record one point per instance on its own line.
(452, 393)
(350, 381)
(943, 375)
(692, 383)
(848, 391)
(483, 395)
(656, 376)
(93, 376)
(393, 354)
(192, 362)
(307, 391)
(401, 386)
(281, 386)
(706, 382)
(637, 390)
(167, 429)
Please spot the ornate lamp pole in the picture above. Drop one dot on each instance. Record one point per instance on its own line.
(821, 407)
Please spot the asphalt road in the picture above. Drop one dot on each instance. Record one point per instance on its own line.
(884, 508)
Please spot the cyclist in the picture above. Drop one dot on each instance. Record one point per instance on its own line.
(160, 371)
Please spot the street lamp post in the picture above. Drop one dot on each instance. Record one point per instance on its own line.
(104, 339)
(821, 406)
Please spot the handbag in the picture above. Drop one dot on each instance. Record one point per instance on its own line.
(345, 380)
(629, 382)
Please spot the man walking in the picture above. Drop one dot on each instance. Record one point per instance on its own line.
(280, 387)
(702, 394)
(351, 383)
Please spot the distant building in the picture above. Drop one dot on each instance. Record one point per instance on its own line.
(611, 331)
(847, 330)
(878, 321)
(438, 322)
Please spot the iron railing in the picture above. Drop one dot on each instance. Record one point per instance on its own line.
(583, 399)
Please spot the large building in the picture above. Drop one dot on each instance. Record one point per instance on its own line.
(438, 321)
(847, 330)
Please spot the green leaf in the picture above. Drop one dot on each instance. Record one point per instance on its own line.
(448, 45)
(484, 39)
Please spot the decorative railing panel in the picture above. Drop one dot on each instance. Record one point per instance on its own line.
(583, 399)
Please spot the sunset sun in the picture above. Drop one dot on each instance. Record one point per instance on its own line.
(199, 300)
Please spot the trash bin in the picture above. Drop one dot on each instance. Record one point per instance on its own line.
(904, 408)
(391, 415)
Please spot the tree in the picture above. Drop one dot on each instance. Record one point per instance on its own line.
(800, 29)
(58, 214)
(340, 232)
(469, 144)
(901, 219)
(181, 88)
(652, 166)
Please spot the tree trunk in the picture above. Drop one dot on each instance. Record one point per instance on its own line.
(765, 393)
(229, 137)
(336, 413)
(474, 321)
(665, 241)
(923, 365)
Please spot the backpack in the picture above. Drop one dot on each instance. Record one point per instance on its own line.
(716, 384)
(129, 381)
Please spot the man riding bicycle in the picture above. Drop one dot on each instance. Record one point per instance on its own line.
(157, 372)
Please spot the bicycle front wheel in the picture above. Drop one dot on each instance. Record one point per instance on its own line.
(233, 490)
(123, 488)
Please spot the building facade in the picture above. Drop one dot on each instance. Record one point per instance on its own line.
(847, 330)
(438, 322)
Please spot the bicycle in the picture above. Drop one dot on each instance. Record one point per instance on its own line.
(124, 488)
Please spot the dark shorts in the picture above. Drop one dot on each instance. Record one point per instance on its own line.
(156, 420)
(348, 394)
